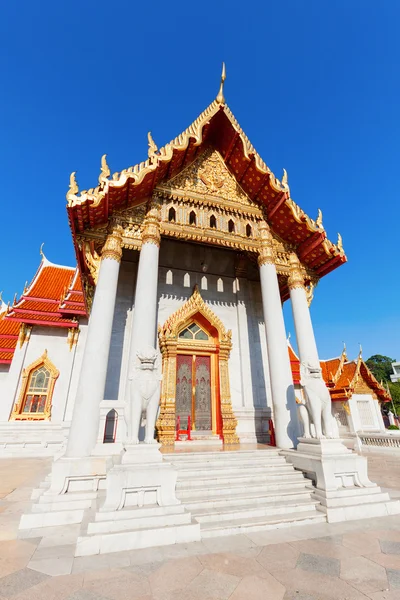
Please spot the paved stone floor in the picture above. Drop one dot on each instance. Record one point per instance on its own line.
(344, 561)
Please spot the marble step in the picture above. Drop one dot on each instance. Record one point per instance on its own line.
(250, 500)
(133, 524)
(221, 528)
(141, 538)
(219, 491)
(202, 457)
(242, 512)
(239, 480)
(51, 518)
(68, 504)
(54, 499)
(219, 464)
(133, 513)
(233, 471)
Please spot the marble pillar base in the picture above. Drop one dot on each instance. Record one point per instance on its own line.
(79, 474)
(141, 479)
(341, 480)
(141, 509)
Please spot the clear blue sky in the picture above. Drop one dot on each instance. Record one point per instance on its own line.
(315, 85)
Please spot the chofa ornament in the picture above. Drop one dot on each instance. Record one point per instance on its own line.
(316, 407)
(145, 382)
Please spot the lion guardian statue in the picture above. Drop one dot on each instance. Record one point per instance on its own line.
(144, 392)
(316, 407)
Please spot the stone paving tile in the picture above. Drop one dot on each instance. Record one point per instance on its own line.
(394, 578)
(17, 582)
(127, 586)
(173, 575)
(230, 563)
(388, 561)
(299, 596)
(253, 587)
(361, 543)
(278, 556)
(385, 595)
(319, 564)
(323, 587)
(213, 585)
(364, 574)
(85, 595)
(53, 566)
(390, 547)
(323, 549)
(53, 588)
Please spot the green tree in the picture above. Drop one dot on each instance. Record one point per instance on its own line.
(380, 366)
(394, 389)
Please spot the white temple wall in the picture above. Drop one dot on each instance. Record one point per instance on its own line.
(10, 386)
(59, 353)
(363, 408)
(78, 351)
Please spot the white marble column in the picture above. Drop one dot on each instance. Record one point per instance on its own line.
(145, 309)
(92, 378)
(283, 397)
(301, 314)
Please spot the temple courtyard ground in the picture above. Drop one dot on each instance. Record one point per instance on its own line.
(348, 561)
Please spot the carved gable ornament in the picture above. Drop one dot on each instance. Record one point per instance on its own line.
(208, 175)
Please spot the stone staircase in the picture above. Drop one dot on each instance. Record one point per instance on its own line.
(241, 491)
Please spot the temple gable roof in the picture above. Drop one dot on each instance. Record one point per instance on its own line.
(217, 129)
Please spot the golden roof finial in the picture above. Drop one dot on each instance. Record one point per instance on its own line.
(15, 299)
(41, 251)
(339, 242)
(73, 187)
(1, 296)
(360, 353)
(220, 97)
(152, 151)
(105, 170)
(318, 222)
(285, 179)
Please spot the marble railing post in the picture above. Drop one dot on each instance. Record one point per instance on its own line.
(145, 310)
(283, 397)
(92, 378)
(301, 314)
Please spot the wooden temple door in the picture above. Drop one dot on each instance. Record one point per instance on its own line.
(194, 391)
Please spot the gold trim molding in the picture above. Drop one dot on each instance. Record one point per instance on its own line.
(17, 414)
(168, 340)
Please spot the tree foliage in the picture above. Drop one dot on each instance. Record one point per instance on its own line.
(380, 366)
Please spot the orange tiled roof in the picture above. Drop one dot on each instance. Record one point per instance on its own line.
(342, 376)
(9, 332)
(47, 301)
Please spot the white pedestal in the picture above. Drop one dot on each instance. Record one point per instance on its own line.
(341, 479)
(79, 474)
(141, 479)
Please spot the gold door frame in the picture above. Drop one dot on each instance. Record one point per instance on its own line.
(188, 348)
(195, 309)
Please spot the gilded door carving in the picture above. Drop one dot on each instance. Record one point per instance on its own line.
(202, 414)
(184, 385)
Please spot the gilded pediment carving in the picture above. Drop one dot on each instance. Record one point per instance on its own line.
(208, 176)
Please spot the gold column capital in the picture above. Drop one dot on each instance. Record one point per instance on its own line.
(152, 225)
(295, 279)
(113, 246)
(266, 253)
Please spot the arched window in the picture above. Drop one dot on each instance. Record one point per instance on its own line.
(34, 402)
(172, 215)
(231, 226)
(110, 429)
(193, 332)
(248, 230)
(192, 218)
(213, 222)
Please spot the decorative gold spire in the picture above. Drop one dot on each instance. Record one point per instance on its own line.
(339, 242)
(41, 251)
(15, 299)
(105, 170)
(285, 178)
(73, 186)
(152, 151)
(25, 287)
(220, 97)
(1, 297)
(318, 222)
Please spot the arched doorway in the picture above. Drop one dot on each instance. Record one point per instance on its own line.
(195, 347)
